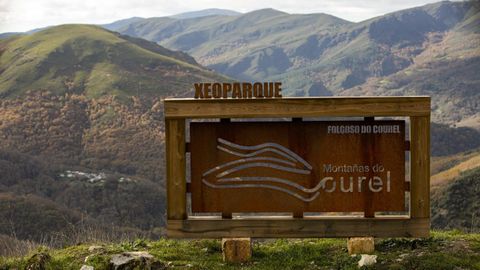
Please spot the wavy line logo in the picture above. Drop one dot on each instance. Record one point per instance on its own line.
(266, 155)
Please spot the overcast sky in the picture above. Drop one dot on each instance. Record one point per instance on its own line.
(23, 15)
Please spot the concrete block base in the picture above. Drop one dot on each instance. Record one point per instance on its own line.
(360, 245)
(236, 250)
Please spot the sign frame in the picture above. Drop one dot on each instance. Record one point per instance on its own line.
(415, 224)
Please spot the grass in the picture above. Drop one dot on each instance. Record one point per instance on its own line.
(443, 250)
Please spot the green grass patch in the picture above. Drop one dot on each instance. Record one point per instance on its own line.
(443, 250)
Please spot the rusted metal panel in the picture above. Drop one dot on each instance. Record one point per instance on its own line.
(319, 166)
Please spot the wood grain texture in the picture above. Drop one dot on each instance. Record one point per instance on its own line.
(229, 179)
(299, 228)
(298, 107)
(420, 166)
(176, 174)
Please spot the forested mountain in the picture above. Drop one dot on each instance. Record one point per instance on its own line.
(81, 129)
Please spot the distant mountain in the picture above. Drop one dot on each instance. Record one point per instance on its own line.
(318, 54)
(121, 23)
(9, 34)
(89, 60)
(206, 12)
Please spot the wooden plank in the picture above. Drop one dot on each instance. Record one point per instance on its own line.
(299, 228)
(370, 155)
(297, 107)
(312, 166)
(176, 171)
(420, 166)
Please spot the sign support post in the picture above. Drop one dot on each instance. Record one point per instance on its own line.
(420, 166)
(176, 169)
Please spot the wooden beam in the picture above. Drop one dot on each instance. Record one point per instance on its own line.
(176, 171)
(420, 166)
(297, 107)
(298, 228)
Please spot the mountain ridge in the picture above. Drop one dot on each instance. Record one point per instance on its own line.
(91, 60)
(319, 53)
(204, 13)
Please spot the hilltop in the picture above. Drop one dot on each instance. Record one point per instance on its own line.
(205, 12)
(91, 61)
(429, 50)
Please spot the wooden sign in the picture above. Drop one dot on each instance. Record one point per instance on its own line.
(299, 167)
(341, 166)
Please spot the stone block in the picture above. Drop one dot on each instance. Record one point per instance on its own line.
(236, 250)
(360, 245)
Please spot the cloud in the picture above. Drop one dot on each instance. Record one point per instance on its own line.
(4, 11)
(23, 15)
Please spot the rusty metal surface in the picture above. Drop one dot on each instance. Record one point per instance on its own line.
(321, 166)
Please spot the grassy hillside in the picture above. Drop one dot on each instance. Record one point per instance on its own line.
(444, 163)
(444, 250)
(455, 186)
(430, 50)
(242, 46)
(457, 204)
(454, 172)
(91, 61)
